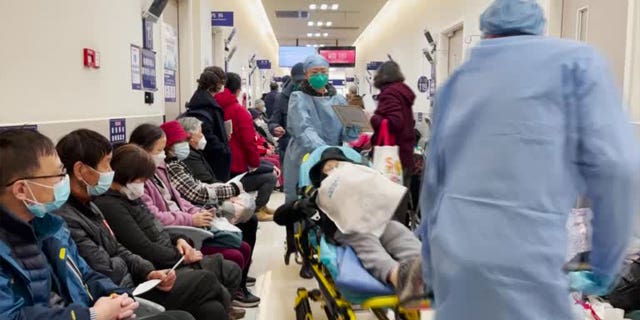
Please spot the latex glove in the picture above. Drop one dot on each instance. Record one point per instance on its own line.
(589, 283)
(352, 132)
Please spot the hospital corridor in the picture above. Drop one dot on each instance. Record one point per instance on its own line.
(320, 159)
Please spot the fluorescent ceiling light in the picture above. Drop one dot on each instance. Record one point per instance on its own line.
(310, 23)
(313, 6)
(324, 6)
(317, 34)
(309, 35)
(320, 23)
(308, 45)
(335, 6)
(322, 45)
(325, 35)
(328, 24)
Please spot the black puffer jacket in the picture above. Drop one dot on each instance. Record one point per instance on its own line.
(217, 152)
(100, 248)
(279, 116)
(138, 229)
(199, 167)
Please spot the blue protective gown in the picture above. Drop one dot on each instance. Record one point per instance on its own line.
(312, 123)
(521, 129)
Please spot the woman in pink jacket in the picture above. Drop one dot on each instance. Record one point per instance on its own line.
(166, 203)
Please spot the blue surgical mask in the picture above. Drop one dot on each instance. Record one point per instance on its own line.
(181, 150)
(61, 191)
(104, 183)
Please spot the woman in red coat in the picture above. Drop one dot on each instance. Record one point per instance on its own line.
(245, 156)
(395, 104)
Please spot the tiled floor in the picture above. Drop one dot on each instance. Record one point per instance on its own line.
(276, 282)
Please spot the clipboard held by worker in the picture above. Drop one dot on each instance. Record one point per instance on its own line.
(353, 116)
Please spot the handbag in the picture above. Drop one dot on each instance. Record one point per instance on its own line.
(386, 155)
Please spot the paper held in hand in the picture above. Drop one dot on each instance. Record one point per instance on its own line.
(353, 116)
(150, 284)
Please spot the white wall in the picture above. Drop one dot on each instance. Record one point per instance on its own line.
(632, 66)
(398, 30)
(254, 35)
(42, 75)
(405, 40)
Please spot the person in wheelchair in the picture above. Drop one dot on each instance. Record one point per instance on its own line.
(391, 253)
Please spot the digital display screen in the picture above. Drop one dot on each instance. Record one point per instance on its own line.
(289, 56)
(341, 57)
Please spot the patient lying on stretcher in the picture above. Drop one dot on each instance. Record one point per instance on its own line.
(356, 204)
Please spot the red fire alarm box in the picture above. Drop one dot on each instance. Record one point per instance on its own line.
(91, 58)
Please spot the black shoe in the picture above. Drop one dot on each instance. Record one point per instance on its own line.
(306, 272)
(245, 299)
(251, 281)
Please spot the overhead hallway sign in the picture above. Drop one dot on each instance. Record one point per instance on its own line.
(222, 18)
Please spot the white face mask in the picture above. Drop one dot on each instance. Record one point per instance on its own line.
(202, 143)
(158, 159)
(133, 190)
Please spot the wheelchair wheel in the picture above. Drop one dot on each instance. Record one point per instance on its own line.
(381, 314)
(303, 307)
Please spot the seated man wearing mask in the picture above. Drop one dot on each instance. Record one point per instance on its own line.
(42, 274)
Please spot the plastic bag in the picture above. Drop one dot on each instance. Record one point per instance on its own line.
(244, 206)
(579, 229)
(225, 234)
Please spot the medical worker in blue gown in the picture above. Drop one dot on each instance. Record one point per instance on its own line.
(521, 129)
(311, 121)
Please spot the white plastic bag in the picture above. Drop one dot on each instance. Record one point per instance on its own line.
(579, 230)
(239, 209)
(359, 199)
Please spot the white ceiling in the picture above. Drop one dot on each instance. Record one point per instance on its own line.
(349, 21)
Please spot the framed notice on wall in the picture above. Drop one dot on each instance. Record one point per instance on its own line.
(136, 79)
(118, 130)
(148, 70)
(170, 94)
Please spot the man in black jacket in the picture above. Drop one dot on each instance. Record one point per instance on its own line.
(270, 99)
(204, 107)
(278, 120)
(278, 125)
(87, 155)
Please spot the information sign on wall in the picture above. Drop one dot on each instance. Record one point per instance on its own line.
(423, 84)
(170, 86)
(118, 130)
(148, 70)
(222, 18)
(136, 80)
